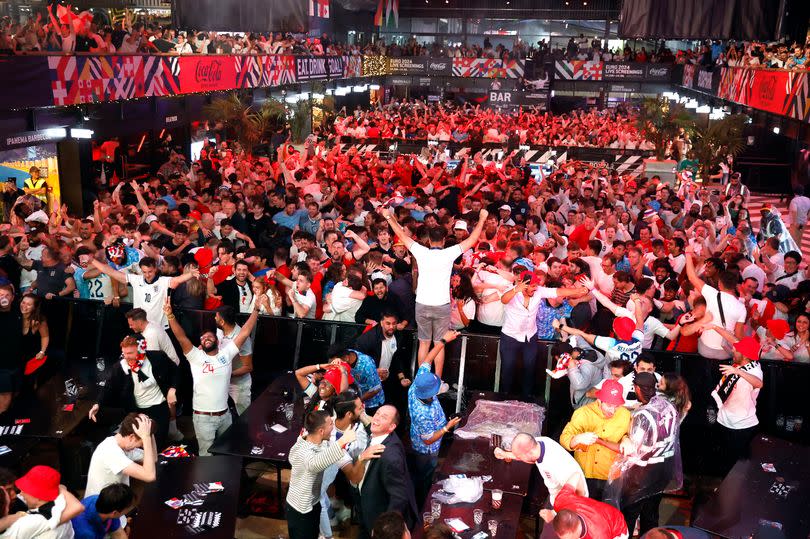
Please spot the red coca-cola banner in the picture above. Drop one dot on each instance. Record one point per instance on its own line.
(207, 73)
(770, 90)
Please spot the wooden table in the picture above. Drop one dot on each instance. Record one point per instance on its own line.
(175, 478)
(251, 436)
(508, 516)
(745, 496)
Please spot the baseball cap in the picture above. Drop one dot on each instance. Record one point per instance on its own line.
(624, 327)
(506, 207)
(611, 392)
(460, 225)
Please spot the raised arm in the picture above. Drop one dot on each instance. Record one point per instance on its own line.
(114, 274)
(472, 239)
(247, 329)
(439, 346)
(600, 297)
(696, 281)
(388, 215)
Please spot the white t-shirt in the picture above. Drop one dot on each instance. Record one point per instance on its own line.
(800, 205)
(455, 317)
(107, 465)
(150, 297)
(342, 300)
(389, 348)
(733, 310)
(212, 377)
(307, 300)
(245, 350)
(740, 409)
(791, 281)
(557, 466)
(652, 327)
(35, 525)
(435, 267)
(146, 393)
(158, 340)
(677, 263)
(616, 349)
(27, 277)
(490, 313)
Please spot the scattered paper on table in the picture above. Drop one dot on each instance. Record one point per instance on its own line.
(279, 428)
(768, 467)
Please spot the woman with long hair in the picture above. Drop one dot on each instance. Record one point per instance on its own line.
(463, 300)
(674, 388)
(191, 293)
(268, 297)
(35, 333)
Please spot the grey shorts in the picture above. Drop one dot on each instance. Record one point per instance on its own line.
(432, 321)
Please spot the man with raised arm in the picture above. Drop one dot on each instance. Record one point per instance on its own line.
(211, 368)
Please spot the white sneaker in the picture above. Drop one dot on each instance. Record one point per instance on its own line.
(443, 388)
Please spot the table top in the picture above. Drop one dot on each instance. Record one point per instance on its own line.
(20, 447)
(475, 457)
(43, 414)
(749, 494)
(508, 516)
(252, 436)
(175, 478)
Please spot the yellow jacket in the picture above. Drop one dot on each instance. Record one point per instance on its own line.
(596, 459)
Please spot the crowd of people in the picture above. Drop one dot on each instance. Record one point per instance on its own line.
(607, 265)
(471, 125)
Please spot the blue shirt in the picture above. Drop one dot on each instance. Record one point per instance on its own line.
(547, 314)
(89, 525)
(289, 221)
(425, 419)
(623, 264)
(365, 374)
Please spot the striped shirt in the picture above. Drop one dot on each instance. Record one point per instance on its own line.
(308, 462)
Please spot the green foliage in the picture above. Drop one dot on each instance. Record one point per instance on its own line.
(248, 124)
(301, 121)
(660, 121)
(711, 143)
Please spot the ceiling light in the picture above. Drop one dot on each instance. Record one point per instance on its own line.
(775, 130)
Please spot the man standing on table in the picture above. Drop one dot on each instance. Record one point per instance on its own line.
(428, 422)
(211, 368)
(435, 264)
(556, 465)
(594, 433)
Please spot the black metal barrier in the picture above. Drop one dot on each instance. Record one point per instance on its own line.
(90, 329)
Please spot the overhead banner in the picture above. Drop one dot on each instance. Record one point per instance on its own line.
(93, 79)
(623, 71)
(310, 68)
(578, 70)
(408, 66)
(507, 98)
(438, 67)
(772, 90)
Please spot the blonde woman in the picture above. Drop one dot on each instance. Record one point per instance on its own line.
(268, 297)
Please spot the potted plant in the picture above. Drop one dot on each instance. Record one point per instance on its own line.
(249, 124)
(719, 138)
(660, 122)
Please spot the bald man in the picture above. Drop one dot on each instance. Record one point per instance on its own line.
(556, 465)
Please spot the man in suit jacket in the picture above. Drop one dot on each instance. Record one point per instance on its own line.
(386, 485)
(142, 382)
(383, 345)
(236, 292)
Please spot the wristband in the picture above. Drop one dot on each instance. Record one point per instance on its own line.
(443, 341)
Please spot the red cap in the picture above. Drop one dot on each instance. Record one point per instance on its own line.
(41, 482)
(612, 393)
(749, 347)
(624, 327)
(203, 257)
(778, 328)
(194, 214)
(333, 376)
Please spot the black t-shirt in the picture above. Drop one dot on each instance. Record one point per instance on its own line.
(11, 269)
(163, 45)
(50, 280)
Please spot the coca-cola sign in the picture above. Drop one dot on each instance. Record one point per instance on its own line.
(440, 66)
(658, 72)
(208, 73)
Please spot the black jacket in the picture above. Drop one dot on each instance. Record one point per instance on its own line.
(118, 391)
(230, 293)
(387, 487)
(370, 343)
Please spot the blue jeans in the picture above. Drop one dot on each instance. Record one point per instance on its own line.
(329, 476)
(512, 351)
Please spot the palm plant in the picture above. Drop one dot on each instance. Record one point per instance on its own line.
(249, 124)
(719, 138)
(661, 121)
